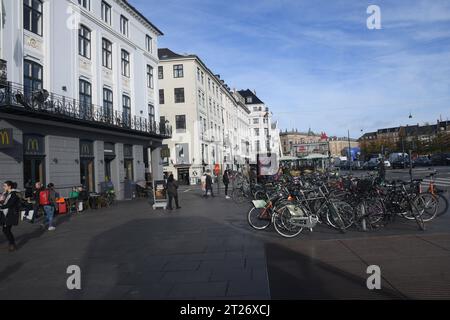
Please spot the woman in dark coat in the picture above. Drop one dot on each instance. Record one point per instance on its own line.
(172, 191)
(9, 212)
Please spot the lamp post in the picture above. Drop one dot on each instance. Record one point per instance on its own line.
(350, 160)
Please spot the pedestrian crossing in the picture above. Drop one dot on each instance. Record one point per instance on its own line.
(440, 182)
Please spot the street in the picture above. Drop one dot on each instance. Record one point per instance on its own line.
(442, 178)
(206, 250)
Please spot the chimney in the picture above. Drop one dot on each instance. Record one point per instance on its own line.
(254, 91)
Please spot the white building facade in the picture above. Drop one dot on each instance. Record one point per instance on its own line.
(264, 133)
(209, 124)
(85, 72)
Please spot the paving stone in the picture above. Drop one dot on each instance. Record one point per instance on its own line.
(191, 290)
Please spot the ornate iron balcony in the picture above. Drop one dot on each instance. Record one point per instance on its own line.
(16, 98)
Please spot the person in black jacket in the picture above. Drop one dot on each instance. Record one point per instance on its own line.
(226, 182)
(9, 212)
(208, 185)
(172, 191)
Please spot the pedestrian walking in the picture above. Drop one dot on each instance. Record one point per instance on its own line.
(47, 199)
(172, 192)
(226, 182)
(9, 212)
(38, 187)
(208, 184)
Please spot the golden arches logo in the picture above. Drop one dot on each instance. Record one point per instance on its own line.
(33, 145)
(5, 137)
(85, 149)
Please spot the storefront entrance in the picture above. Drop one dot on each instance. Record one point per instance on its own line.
(34, 170)
(87, 174)
(33, 159)
(183, 176)
(87, 168)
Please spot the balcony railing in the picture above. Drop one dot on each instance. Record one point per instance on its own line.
(41, 103)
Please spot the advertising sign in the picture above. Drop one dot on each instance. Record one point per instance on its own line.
(159, 188)
(267, 164)
(6, 138)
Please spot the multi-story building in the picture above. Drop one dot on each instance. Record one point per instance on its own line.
(338, 146)
(209, 119)
(421, 138)
(289, 139)
(80, 101)
(264, 134)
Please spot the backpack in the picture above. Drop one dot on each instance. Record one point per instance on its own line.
(44, 197)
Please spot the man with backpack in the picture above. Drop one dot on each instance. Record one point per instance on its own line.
(47, 199)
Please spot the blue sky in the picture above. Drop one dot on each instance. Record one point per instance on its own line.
(315, 63)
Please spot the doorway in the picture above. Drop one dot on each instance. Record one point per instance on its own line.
(183, 176)
(34, 170)
(87, 174)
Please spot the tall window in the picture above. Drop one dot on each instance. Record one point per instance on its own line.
(125, 63)
(178, 71)
(106, 12)
(84, 42)
(126, 110)
(32, 76)
(85, 4)
(258, 146)
(106, 53)
(160, 72)
(255, 121)
(32, 16)
(179, 95)
(180, 122)
(107, 103)
(124, 26)
(151, 114)
(149, 43)
(85, 97)
(256, 132)
(161, 96)
(149, 77)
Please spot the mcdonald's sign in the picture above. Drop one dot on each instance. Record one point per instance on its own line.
(86, 149)
(34, 145)
(6, 138)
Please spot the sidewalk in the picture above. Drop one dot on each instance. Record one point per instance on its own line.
(206, 250)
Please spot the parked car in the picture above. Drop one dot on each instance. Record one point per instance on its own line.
(422, 162)
(401, 163)
(440, 159)
(372, 164)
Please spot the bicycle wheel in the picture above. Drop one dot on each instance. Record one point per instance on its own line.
(284, 224)
(340, 215)
(260, 195)
(375, 211)
(442, 206)
(238, 196)
(417, 212)
(429, 203)
(259, 218)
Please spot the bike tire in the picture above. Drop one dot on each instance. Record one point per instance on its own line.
(255, 221)
(281, 220)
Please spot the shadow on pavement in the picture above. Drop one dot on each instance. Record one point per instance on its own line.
(293, 275)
